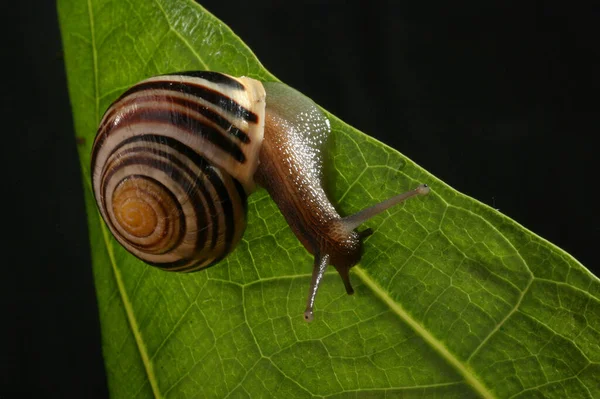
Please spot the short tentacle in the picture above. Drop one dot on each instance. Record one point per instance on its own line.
(319, 267)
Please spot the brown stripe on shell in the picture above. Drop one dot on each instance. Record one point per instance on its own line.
(214, 77)
(194, 89)
(164, 97)
(237, 148)
(186, 122)
(197, 91)
(239, 220)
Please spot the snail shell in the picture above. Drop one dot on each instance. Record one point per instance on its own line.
(173, 162)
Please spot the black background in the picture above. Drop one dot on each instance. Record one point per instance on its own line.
(499, 102)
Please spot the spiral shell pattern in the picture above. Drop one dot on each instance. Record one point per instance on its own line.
(172, 165)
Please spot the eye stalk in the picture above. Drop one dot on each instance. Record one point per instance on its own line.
(353, 221)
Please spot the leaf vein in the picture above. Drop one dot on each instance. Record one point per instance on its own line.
(499, 325)
(462, 369)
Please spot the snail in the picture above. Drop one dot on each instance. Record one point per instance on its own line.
(176, 156)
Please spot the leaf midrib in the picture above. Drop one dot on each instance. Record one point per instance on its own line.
(133, 325)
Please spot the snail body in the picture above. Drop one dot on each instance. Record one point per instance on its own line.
(176, 156)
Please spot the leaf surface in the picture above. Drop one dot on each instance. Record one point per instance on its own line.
(452, 299)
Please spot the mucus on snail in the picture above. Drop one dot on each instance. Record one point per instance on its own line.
(176, 156)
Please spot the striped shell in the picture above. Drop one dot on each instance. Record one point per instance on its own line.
(172, 165)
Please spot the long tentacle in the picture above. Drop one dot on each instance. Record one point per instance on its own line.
(353, 221)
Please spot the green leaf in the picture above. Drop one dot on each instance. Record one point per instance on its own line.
(452, 299)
